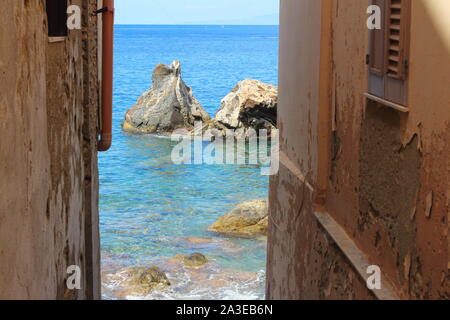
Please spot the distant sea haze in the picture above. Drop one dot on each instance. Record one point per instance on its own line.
(150, 208)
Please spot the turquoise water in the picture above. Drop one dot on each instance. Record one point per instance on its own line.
(150, 208)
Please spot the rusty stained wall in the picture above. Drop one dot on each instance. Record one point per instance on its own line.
(49, 187)
(387, 174)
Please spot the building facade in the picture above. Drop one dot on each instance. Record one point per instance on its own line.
(49, 106)
(363, 188)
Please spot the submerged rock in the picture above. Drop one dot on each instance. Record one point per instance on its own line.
(247, 219)
(200, 240)
(211, 281)
(252, 104)
(141, 281)
(167, 106)
(194, 260)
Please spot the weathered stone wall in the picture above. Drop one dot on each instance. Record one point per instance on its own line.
(49, 187)
(385, 178)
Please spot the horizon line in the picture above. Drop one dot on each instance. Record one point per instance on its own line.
(191, 24)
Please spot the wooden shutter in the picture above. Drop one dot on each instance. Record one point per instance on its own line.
(389, 51)
(397, 50)
(377, 54)
(57, 18)
(397, 26)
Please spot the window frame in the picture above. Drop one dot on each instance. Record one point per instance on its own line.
(381, 83)
(56, 11)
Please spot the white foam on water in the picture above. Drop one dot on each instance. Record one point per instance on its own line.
(191, 284)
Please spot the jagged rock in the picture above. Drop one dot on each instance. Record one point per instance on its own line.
(247, 219)
(167, 106)
(251, 104)
(194, 260)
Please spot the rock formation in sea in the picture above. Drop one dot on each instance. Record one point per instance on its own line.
(167, 106)
(252, 104)
(247, 219)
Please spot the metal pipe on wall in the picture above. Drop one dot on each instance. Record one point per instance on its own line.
(107, 75)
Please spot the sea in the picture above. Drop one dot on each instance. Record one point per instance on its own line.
(152, 209)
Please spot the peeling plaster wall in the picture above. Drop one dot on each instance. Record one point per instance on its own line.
(49, 186)
(386, 163)
(388, 173)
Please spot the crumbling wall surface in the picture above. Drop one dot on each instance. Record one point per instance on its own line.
(298, 91)
(48, 192)
(388, 184)
(389, 177)
(355, 160)
(303, 261)
(429, 119)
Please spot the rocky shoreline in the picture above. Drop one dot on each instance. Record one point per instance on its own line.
(248, 220)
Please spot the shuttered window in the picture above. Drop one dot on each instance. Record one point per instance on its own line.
(377, 44)
(389, 51)
(57, 17)
(395, 46)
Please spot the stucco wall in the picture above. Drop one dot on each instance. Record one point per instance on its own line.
(387, 163)
(303, 262)
(386, 177)
(49, 187)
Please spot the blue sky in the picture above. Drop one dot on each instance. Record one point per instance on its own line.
(197, 11)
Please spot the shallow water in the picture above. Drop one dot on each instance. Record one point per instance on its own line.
(152, 209)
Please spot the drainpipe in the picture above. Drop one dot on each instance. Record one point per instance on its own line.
(107, 74)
